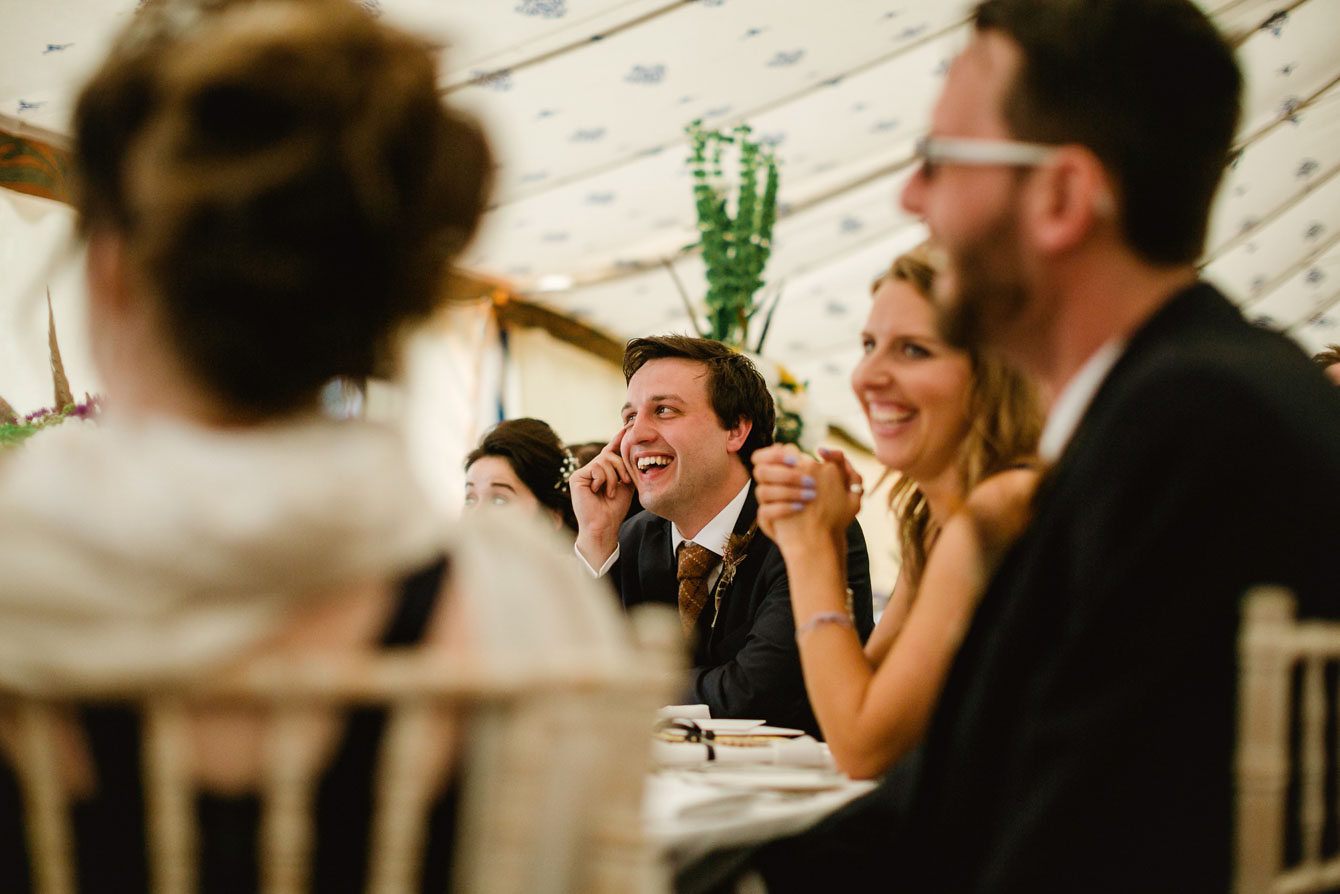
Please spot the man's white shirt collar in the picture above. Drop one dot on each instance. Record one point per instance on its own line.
(716, 532)
(713, 536)
(1073, 401)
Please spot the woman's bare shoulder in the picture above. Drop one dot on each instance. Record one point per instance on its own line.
(1002, 502)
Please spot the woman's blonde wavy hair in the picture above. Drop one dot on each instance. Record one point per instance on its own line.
(1006, 422)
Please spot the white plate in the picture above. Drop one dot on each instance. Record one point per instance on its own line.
(774, 731)
(730, 726)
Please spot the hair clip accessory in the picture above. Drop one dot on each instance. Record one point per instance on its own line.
(565, 470)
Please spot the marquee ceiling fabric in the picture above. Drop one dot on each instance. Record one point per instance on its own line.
(586, 101)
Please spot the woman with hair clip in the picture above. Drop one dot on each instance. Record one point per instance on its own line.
(959, 431)
(522, 463)
(270, 191)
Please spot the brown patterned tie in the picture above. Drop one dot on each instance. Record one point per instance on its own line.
(694, 562)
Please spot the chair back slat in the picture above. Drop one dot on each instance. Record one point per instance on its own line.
(288, 784)
(405, 788)
(170, 819)
(1313, 759)
(1273, 643)
(49, 835)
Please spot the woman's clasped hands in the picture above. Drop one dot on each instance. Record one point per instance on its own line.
(801, 498)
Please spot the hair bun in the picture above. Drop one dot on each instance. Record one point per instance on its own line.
(290, 183)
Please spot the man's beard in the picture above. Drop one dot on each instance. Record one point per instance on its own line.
(984, 292)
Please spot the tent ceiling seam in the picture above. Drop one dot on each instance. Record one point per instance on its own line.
(731, 120)
(1273, 215)
(1287, 114)
(1237, 40)
(575, 45)
(647, 264)
(1291, 271)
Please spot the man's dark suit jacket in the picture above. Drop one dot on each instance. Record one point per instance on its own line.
(1084, 739)
(745, 662)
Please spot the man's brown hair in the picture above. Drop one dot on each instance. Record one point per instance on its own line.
(1149, 86)
(734, 385)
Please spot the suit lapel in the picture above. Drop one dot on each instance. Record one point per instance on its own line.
(656, 563)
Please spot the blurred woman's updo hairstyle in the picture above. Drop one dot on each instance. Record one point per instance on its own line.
(537, 457)
(285, 182)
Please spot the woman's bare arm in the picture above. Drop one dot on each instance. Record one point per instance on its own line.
(872, 717)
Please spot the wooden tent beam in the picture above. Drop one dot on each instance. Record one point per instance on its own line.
(30, 166)
(38, 168)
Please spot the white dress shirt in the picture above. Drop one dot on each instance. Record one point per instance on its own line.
(713, 536)
(1073, 401)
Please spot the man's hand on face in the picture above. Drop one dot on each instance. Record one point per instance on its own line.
(602, 491)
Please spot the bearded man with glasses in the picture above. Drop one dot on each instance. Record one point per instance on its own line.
(1084, 738)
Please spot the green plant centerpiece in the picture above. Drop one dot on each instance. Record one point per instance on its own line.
(735, 249)
(736, 213)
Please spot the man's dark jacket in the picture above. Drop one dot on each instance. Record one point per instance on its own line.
(1085, 736)
(745, 662)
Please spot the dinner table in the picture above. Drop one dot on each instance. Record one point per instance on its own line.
(722, 784)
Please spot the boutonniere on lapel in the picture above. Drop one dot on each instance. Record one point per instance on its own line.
(737, 547)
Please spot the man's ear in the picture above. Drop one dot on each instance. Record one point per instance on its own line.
(735, 437)
(1071, 196)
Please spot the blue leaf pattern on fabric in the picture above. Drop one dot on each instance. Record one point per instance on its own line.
(589, 135)
(646, 74)
(56, 47)
(783, 59)
(500, 80)
(547, 9)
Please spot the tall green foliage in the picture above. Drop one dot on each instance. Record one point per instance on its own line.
(734, 249)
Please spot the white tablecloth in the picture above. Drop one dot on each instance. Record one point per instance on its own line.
(689, 812)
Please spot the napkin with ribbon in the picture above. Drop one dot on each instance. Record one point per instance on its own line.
(803, 751)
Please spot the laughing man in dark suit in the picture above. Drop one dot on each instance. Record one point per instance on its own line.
(695, 413)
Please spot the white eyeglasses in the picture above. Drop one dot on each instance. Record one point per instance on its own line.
(932, 151)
